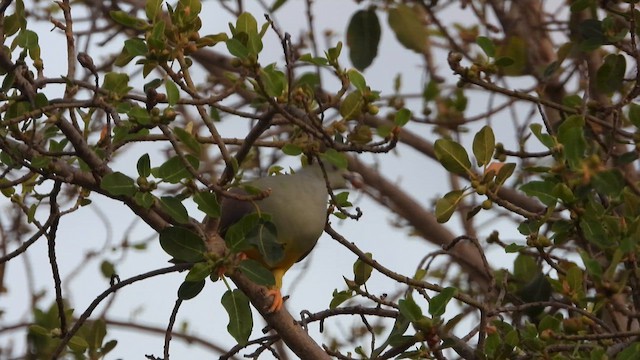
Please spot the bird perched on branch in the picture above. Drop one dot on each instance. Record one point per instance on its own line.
(296, 205)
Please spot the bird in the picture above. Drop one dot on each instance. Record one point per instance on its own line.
(296, 205)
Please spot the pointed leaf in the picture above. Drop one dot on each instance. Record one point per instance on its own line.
(610, 75)
(351, 106)
(543, 190)
(571, 136)
(357, 80)
(236, 303)
(144, 165)
(256, 272)
(487, 46)
(452, 156)
(173, 170)
(188, 140)
(118, 184)
(175, 209)
(339, 297)
(273, 80)
(484, 144)
(173, 93)
(182, 244)
(207, 203)
(264, 237)
(446, 206)
(438, 303)
(190, 289)
(409, 309)
(362, 271)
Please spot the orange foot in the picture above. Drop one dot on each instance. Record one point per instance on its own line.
(278, 302)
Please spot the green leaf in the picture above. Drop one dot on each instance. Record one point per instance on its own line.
(409, 309)
(543, 190)
(182, 244)
(630, 353)
(125, 19)
(634, 114)
(351, 106)
(173, 170)
(544, 138)
(118, 184)
(173, 93)
(592, 34)
(264, 237)
(513, 248)
(117, 83)
(446, 206)
(363, 37)
(190, 289)
(236, 234)
(153, 8)
(136, 47)
(139, 115)
(237, 48)
(400, 326)
(276, 5)
(108, 346)
(357, 80)
(207, 203)
(247, 23)
(609, 182)
(144, 165)
(484, 144)
(594, 231)
(256, 272)
(486, 45)
(96, 334)
(339, 297)
(200, 271)
(336, 158)
(188, 140)
(273, 80)
(402, 117)
(236, 303)
(438, 303)
(334, 53)
(610, 75)
(452, 156)
(157, 39)
(28, 39)
(571, 136)
(175, 209)
(512, 56)
(504, 173)
(78, 344)
(107, 269)
(592, 265)
(408, 27)
(524, 267)
(292, 149)
(144, 199)
(362, 271)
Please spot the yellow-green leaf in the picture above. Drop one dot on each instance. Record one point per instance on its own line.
(452, 156)
(408, 27)
(484, 144)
